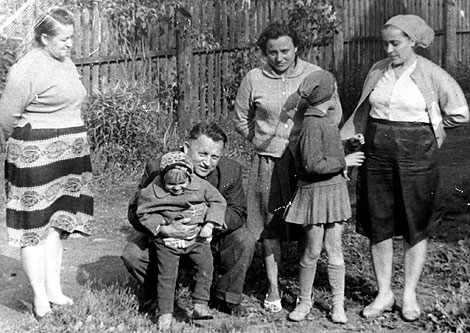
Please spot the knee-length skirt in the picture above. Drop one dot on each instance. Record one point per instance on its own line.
(48, 183)
(398, 182)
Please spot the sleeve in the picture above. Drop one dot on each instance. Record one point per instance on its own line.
(313, 157)
(216, 205)
(150, 172)
(235, 214)
(148, 218)
(17, 94)
(452, 102)
(245, 110)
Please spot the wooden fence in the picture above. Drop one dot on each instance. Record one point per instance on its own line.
(104, 62)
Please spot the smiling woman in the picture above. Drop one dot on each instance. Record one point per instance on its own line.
(47, 167)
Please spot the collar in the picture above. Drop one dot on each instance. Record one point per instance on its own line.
(194, 185)
(299, 69)
(314, 111)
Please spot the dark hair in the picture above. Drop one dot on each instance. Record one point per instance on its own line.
(211, 130)
(274, 31)
(48, 23)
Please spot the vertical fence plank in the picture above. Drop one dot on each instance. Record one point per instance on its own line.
(95, 49)
(104, 77)
(86, 47)
(450, 57)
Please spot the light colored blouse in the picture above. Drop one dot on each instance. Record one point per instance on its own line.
(398, 99)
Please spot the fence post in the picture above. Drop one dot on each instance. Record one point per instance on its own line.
(450, 56)
(338, 47)
(184, 53)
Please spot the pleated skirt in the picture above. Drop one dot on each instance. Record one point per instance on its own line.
(319, 204)
(48, 184)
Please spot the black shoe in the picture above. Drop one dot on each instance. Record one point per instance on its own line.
(232, 309)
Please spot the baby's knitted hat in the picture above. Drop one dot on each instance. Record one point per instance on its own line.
(175, 160)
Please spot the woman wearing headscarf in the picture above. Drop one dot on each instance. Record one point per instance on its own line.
(406, 103)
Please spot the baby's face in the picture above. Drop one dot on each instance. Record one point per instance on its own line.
(176, 187)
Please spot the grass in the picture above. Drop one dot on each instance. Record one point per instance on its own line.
(112, 305)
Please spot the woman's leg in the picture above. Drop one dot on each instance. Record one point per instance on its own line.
(33, 260)
(53, 257)
(272, 261)
(414, 258)
(382, 255)
(336, 270)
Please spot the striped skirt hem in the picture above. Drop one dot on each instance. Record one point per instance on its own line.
(48, 184)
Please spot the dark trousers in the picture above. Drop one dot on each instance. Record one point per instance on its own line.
(232, 251)
(167, 263)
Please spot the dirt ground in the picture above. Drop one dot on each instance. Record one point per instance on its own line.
(97, 257)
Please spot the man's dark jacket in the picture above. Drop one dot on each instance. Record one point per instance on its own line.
(227, 178)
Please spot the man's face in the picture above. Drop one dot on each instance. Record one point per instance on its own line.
(205, 154)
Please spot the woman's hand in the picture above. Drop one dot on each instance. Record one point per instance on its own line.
(355, 159)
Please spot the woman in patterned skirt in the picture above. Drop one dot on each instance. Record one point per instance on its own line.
(47, 169)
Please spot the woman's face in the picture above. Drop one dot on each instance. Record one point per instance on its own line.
(399, 47)
(59, 46)
(280, 53)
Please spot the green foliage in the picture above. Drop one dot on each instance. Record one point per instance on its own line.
(127, 127)
(241, 62)
(137, 21)
(315, 22)
(7, 59)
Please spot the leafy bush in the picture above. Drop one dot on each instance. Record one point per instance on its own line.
(315, 22)
(8, 50)
(127, 127)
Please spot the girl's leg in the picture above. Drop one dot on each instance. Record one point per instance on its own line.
(272, 261)
(414, 258)
(307, 268)
(382, 255)
(53, 257)
(336, 270)
(33, 260)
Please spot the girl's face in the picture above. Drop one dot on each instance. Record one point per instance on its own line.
(280, 53)
(59, 46)
(398, 46)
(176, 187)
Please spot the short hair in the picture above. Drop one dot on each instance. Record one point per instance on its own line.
(176, 175)
(211, 130)
(274, 31)
(48, 23)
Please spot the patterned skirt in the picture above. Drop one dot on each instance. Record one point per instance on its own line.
(48, 183)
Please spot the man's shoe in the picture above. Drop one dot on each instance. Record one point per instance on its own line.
(232, 309)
